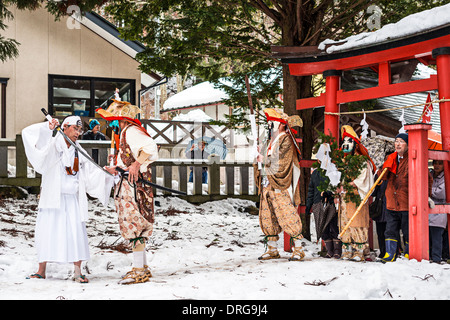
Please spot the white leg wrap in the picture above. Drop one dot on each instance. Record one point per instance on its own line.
(272, 244)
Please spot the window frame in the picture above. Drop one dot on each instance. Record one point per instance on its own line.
(92, 80)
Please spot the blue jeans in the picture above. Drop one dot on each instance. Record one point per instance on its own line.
(204, 176)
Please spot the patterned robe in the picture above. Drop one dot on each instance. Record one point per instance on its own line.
(358, 229)
(280, 194)
(134, 202)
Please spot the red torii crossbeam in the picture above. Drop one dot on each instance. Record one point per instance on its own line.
(431, 47)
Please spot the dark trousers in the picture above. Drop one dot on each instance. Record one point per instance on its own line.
(436, 242)
(396, 220)
(381, 228)
(331, 231)
(445, 248)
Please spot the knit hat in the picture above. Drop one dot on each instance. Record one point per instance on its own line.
(403, 136)
(93, 123)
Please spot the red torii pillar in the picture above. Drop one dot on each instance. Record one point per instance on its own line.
(442, 56)
(418, 163)
(332, 86)
(418, 190)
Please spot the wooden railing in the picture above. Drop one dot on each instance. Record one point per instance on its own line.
(180, 133)
(225, 179)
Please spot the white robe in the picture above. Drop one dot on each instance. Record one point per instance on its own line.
(138, 142)
(63, 206)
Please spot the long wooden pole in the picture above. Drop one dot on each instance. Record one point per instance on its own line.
(362, 203)
(252, 120)
(112, 150)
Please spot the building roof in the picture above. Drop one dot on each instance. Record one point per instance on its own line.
(109, 32)
(201, 94)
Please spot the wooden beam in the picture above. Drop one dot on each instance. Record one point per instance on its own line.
(364, 57)
(439, 155)
(372, 93)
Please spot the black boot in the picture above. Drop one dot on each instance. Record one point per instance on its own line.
(337, 248)
(330, 248)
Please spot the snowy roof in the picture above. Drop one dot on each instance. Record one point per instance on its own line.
(413, 24)
(199, 95)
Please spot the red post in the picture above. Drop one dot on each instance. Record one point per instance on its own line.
(418, 190)
(442, 56)
(332, 86)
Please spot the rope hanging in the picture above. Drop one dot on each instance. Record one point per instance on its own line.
(383, 110)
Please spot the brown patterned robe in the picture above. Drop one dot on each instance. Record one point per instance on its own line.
(358, 229)
(134, 202)
(278, 212)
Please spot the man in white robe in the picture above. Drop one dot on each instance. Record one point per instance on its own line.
(67, 176)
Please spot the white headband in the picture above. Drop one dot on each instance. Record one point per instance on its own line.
(72, 121)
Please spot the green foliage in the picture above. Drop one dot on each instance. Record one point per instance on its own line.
(207, 39)
(349, 165)
(265, 87)
(8, 49)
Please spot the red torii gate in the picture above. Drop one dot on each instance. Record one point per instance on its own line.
(432, 47)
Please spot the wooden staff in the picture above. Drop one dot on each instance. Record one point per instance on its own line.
(112, 150)
(252, 119)
(362, 203)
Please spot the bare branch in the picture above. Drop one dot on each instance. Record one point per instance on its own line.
(334, 19)
(274, 15)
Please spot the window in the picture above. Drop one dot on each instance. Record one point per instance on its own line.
(82, 95)
(105, 90)
(71, 97)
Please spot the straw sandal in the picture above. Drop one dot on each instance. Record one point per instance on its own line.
(297, 254)
(136, 275)
(271, 253)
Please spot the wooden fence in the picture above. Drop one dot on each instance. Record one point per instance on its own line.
(225, 179)
(180, 133)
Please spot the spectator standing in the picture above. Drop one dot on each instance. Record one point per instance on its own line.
(378, 214)
(397, 203)
(437, 222)
(94, 134)
(198, 153)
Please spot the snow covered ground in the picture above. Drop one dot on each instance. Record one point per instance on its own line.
(206, 252)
